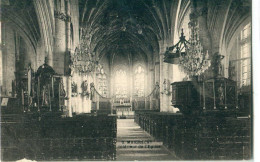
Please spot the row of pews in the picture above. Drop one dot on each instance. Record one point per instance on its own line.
(50, 137)
(205, 137)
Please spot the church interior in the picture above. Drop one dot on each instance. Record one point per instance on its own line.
(126, 80)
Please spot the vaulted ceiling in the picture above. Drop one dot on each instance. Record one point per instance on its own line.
(125, 26)
(22, 16)
(134, 26)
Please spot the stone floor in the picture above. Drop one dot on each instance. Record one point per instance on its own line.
(133, 143)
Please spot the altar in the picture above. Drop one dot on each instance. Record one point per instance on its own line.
(123, 108)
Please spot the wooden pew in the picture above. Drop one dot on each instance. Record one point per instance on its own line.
(203, 137)
(48, 138)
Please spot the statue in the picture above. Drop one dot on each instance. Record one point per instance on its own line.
(92, 91)
(135, 104)
(157, 91)
(30, 86)
(62, 94)
(74, 89)
(217, 66)
(84, 87)
(165, 88)
(45, 96)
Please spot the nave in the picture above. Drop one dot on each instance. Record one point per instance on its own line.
(133, 143)
(93, 79)
(150, 136)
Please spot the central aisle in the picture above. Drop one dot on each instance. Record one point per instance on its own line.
(133, 143)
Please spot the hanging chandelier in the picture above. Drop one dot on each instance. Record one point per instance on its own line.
(195, 61)
(84, 60)
(190, 54)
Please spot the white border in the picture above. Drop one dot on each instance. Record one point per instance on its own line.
(256, 79)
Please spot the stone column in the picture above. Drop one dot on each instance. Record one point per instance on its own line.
(152, 86)
(169, 81)
(62, 44)
(68, 21)
(9, 58)
(157, 72)
(157, 79)
(152, 77)
(69, 96)
(1, 57)
(60, 37)
(50, 58)
(201, 9)
(68, 36)
(165, 76)
(161, 82)
(131, 79)
(164, 98)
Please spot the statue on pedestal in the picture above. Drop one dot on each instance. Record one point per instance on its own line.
(217, 66)
(84, 87)
(74, 89)
(45, 96)
(92, 91)
(156, 94)
(62, 95)
(30, 86)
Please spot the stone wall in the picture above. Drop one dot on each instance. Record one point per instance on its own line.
(8, 59)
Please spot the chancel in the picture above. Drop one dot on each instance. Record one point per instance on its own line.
(126, 80)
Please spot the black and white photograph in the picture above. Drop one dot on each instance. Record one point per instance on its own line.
(127, 80)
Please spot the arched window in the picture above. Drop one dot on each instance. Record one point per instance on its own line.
(245, 55)
(121, 84)
(102, 82)
(240, 58)
(139, 80)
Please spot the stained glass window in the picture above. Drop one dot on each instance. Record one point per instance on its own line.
(102, 81)
(121, 84)
(103, 85)
(245, 55)
(139, 80)
(240, 61)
